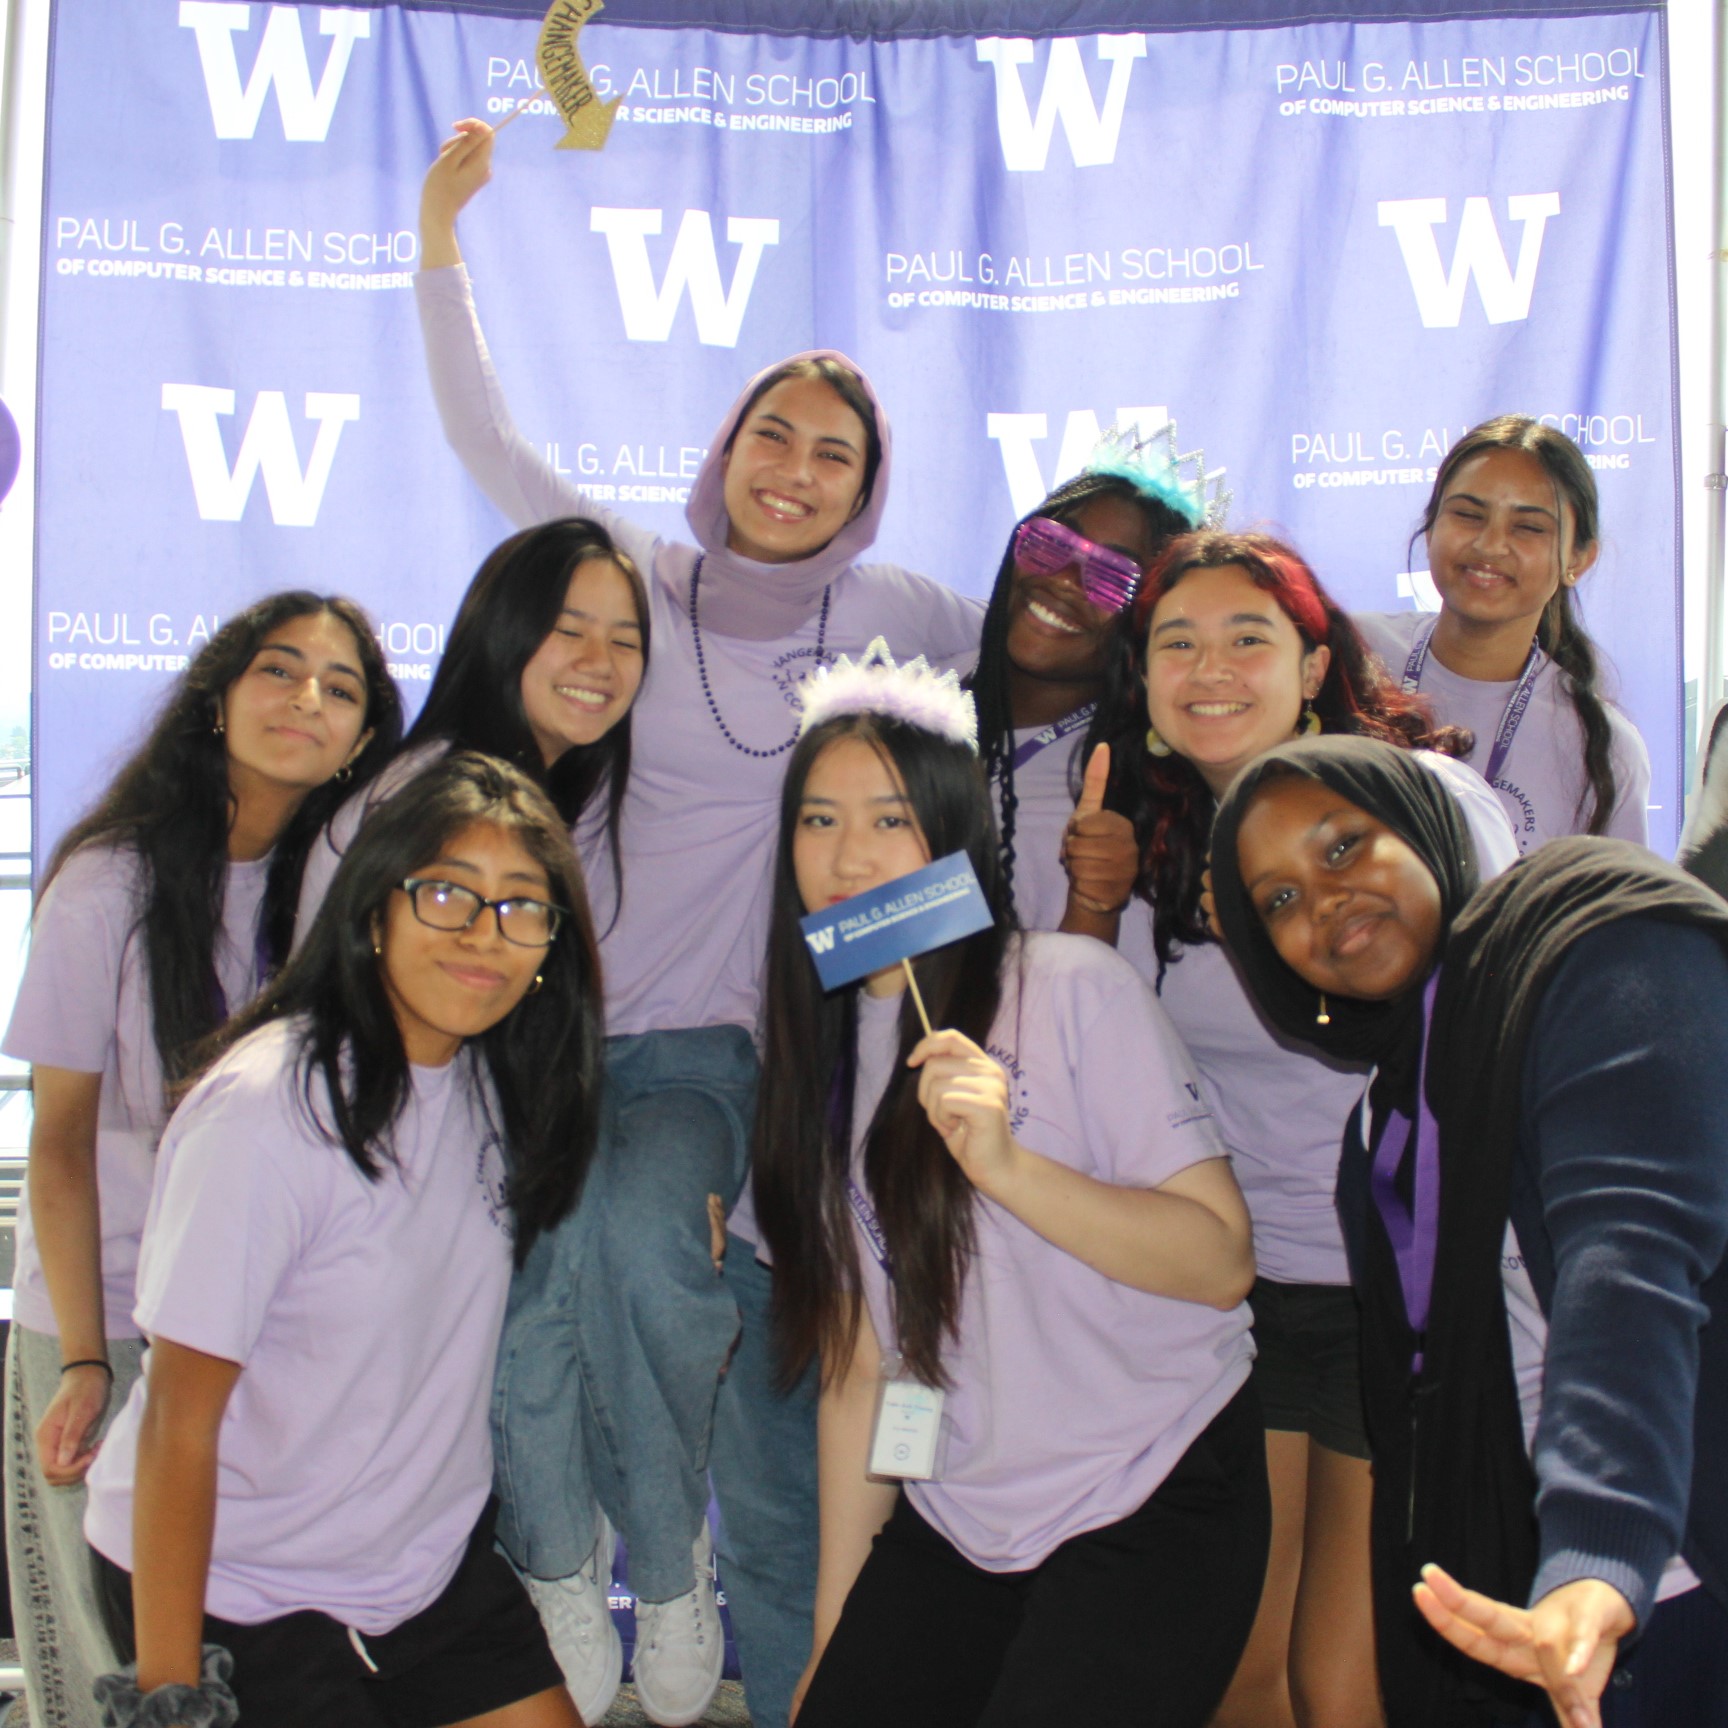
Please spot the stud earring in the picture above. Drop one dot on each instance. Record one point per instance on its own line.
(1155, 746)
(1309, 725)
(1322, 1018)
(539, 979)
(217, 726)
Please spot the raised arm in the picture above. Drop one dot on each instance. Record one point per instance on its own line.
(66, 1215)
(471, 406)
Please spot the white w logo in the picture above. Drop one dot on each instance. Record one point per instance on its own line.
(1066, 95)
(281, 61)
(1019, 433)
(268, 444)
(649, 311)
(821, 941)
(1439, 293)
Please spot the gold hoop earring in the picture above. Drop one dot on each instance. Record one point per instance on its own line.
(1309, 725)
(539, 979)
(1155, 746)
(1322, 1018)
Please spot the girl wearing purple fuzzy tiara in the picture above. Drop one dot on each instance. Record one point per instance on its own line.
(611, 1408)
(1020, 1235)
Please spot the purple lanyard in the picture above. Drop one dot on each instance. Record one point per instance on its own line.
(260, 970)
(1516, 703)
(1066, 727)
(871, 1225)
(1413, 1230)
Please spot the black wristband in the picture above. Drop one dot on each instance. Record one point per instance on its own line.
(89, 1362)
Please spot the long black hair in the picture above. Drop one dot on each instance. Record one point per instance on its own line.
(172, 805)
(1166, 797)
(803, 1137)
(542, 1059)
(990, 681)
(1559, 633)
(511, 607)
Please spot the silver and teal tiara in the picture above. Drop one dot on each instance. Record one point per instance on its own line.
(1153, 466)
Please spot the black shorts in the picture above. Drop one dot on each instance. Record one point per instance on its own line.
(1308, 1370)
(477, 1648)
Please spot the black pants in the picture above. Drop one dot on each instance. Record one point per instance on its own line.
(1140, 1622)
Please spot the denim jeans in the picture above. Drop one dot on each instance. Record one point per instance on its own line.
(763, 1462)
(63, 1643)
(616, 1339)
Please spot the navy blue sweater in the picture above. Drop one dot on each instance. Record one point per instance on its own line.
(1620, 1200)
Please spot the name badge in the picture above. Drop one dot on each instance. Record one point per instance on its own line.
(906, 1439)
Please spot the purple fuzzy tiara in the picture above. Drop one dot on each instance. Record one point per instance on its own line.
(873, 684)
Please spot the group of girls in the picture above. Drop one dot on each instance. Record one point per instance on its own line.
(1152, 1497)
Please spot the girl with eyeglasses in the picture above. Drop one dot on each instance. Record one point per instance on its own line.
(621, 1312)
(292, 1515)
(161, 912)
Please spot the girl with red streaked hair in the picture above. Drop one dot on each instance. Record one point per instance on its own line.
(1231, 648)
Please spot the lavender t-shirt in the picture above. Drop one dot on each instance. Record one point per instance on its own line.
(1542, 778)
(1074, 1396)
(711, 727)
(1281, 1106)
(355, 1454)
(84, 1005)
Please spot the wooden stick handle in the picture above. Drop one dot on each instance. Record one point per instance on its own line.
(517, 112)
(917, 999)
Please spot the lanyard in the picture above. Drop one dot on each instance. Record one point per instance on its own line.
(260, 970)
(1066, 727)
(1516, 703)
(1413, 1230)
(871, 1225)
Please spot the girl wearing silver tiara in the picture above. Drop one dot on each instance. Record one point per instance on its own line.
(1070, 566)
(1021, 1228)
(610, 1393)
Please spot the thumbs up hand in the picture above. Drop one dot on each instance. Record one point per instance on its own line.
(1099, 850)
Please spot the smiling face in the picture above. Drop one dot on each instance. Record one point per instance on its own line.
(448, 985)
(795, 472)
(1054, 632)
(1227, 672)
(584, 676)
(855, 830)
(1349, 906)
(1502, 541)
(297, 713)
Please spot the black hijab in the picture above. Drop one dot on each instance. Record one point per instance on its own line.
(1452, 1479)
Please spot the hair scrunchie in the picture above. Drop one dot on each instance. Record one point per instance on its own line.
(209, 1704)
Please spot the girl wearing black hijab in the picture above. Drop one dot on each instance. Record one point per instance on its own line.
(1535, 1202)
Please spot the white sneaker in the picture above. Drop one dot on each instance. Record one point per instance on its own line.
(680, 1648)
(577, 1615)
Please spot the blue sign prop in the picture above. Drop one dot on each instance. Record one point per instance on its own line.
(898, 921)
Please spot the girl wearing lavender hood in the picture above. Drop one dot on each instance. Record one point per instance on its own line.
(163, 909)
(610, 1392)
(1028, 1214)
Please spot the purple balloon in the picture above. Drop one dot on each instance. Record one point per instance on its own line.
(11, 450)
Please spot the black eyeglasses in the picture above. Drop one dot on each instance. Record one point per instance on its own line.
(442, 905)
